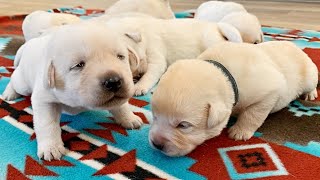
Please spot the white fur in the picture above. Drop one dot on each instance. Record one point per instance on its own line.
(234, 14)
(165, 41)
(39, 21)
(198, 94)
(44, 71)
(214, 11)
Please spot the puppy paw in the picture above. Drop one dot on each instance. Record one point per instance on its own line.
(311, 95)
(140, 90)
(51, 150)
(10, 94)
(132, 122)
(238, 133)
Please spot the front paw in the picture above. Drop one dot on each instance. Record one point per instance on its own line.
(10, 94)
(238, 133)
(141, 89)
(51, 149)
(131, 122)
(311, 95)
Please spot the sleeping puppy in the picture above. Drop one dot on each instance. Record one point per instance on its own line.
(76, 68)
(165, 41)
(234, 14)
(155, 8)
(39, 21)
(195, 98)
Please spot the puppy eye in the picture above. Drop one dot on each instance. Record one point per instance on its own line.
(184, 125)
(78, 66)
(225, 38)
(257, 42)
(121, 57)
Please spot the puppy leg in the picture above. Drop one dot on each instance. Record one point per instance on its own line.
(124, 116)
(251, 119)
(311, 95)
(9, 93)
(154, 72)
(46, 121)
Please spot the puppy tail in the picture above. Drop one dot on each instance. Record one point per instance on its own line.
(18, 56)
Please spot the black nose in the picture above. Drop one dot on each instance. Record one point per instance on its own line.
(113, 83)
(158, 146)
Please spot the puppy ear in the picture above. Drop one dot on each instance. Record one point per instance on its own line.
(135, 36)
(134, 59)
(230, 32)
(218, 115)
(49, 76)
(262, 37)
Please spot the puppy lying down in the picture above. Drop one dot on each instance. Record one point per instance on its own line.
(155, 8)
(75, 68)
(195, 98)
(165, 41)
(38, 22)
(234, 14)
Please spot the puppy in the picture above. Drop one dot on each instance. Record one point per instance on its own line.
(195, 98)
(214, 11)
(180, 39)
(78, 67)
(39, 21)
(155, 8)
(234, 14)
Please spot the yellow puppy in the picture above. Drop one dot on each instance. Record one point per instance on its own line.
(195, 98)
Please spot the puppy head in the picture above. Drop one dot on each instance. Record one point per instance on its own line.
(88, 66)
(229, 32)
(191, 104)
(248, 26)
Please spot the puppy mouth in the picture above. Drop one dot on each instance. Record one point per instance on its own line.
(114, 101)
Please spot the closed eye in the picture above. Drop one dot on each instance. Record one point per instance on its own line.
(78, 66)
(184, 125)
(121, 57)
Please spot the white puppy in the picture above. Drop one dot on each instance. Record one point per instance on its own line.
(234, 14)
(165, 41)
(156, 8)
(195, 98)
(77, 67)
(39, 21)
(216, 10)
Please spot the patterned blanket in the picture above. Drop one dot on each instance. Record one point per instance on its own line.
(285, 147)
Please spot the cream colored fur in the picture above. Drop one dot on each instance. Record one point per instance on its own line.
(46, 69)
(234, 14)
(194, 98)
(165, 41)
(39, 21)
(156, 8)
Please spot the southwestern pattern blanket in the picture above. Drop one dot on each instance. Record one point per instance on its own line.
(287, 146)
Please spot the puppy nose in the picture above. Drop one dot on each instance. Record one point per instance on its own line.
(158, 146)
(113, 83)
